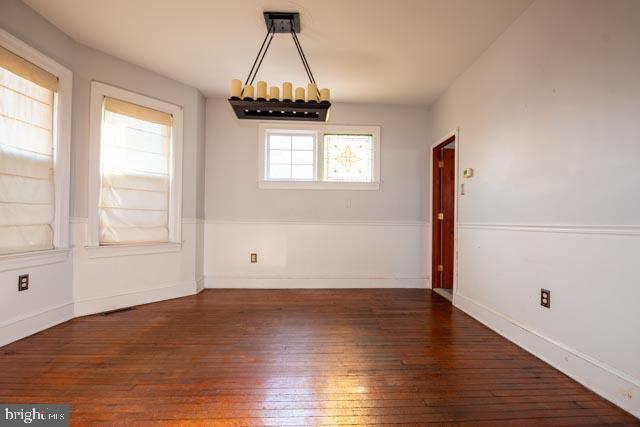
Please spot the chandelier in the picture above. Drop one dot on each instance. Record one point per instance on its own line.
(262, 104)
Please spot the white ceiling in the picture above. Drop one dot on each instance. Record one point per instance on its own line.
(383, 51)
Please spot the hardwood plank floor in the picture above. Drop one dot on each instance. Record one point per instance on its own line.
(294, 357)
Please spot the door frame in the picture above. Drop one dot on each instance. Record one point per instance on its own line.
(454, 134)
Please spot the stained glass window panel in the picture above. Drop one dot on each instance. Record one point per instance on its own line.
(348, 158)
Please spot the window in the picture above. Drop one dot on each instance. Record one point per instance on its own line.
(348, 157)
(320, 157)
(291, 156)
(34, 149)
(136, 140)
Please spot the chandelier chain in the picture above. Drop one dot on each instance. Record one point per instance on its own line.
(263, 51)
(259, 56)
(303, 58)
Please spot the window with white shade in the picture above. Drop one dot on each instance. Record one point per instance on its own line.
(33, 150)
(334, 157)
(134, 172)
(136, 142)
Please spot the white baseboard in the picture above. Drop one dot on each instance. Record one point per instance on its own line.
(602, 379)
(314, 282)
(129, 299)
(23, 326)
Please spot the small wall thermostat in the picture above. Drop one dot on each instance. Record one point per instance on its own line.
(467, 173)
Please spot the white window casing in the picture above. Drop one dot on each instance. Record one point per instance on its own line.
(135, 173)
(35, 128)
(367, 179)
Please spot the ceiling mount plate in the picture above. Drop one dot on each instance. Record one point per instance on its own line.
(282, 21)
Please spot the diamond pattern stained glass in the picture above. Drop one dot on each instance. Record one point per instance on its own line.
(348, 158)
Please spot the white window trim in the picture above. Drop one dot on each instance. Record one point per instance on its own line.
(24, 260)
(314, 132)
(318, 184)
(62, 143)
(111, 251)
(98, 92)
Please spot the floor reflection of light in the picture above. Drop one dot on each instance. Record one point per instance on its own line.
(278, 384)
(322, 378)
(344, 381)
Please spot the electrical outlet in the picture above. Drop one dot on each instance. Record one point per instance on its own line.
(545, 298)
(23, 282)
(254, 258)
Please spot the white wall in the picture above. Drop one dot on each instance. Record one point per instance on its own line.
(303, 254)
(548, 119)
(314, 238)
(102, 283)
(47, 302)
(76, 283)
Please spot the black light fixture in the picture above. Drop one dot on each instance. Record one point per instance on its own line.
(313, 107)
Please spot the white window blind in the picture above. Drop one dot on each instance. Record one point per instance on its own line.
(135, 174)
(27, 95)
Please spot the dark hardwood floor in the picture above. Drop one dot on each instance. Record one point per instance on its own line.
(294, 357)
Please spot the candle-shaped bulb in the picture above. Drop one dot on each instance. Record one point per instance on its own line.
(274, 93)
(312, 92)
(262, 91)
(236, 89)
(247, 93)
(300, 94)
(287, 91)
(325, 95)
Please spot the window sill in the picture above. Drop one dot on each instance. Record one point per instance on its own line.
(32, 259)
(131, 250)
(317, 185)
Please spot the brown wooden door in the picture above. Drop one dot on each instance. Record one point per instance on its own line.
(447, 196)
(443, 215)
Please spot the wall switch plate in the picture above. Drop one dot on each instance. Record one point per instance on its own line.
(254, 258)
(545, 298)
(23, 282)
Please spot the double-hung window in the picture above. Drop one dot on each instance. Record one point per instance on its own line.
(34, 149)
(320, 157)
(136, 163)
